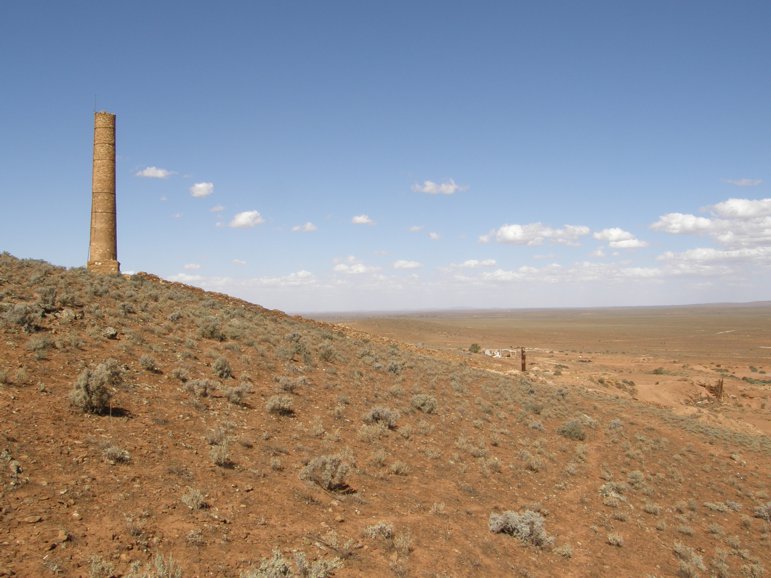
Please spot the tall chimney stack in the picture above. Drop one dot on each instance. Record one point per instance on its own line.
(103, 246)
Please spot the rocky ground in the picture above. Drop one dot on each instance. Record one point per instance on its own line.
(153, 429)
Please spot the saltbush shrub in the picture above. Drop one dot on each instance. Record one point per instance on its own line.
(424, 402)
(527, 526)
(328, 472)
(91, 391)
(384, 415)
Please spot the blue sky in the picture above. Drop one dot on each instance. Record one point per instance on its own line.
(368, 155)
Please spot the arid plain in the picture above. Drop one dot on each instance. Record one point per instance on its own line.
(668, 356)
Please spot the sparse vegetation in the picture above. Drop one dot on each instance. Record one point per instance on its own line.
(92, 390)
(423, 402)
(194, 499)
(277, 565)
(382, 415)
(442, 436)
(573, 430)
(328, 471)
(280, 405)
(527, 526)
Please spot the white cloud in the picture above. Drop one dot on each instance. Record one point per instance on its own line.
(302, 277)
(548, 274)
(176, 216)
(402, 264)
(743, 182)
(362, 220)
(434, 236)
(743, 208)
(416, 228)
(474, 264)
(192, 266)
(535, 234)
(628, 244)
(246, 219)
(712, 255)
(619, 239)
(352, 266)
(200, 190)
(185, 278)
(217, 209)
(238, 262)
(154, 173)
(736, 223)
(306, 228)
(449, 187)
(679, 223)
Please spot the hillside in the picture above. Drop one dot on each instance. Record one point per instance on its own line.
(219, 438)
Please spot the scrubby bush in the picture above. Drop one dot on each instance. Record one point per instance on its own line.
(210, 329)
(764, 512)
(279, 405)
(25, 316)
(148, 363)
(116, 455)
(277, 567)
(474, 348)
(220, 455)
(572, 430)
(200, 387)
(424, 402)
(384, 415)
(222, 368)
(380, 530)
(235, 395)
(194, 499)
(91, 391)
(527, 526)
(160, 567)
(615, 539)
(328, 472)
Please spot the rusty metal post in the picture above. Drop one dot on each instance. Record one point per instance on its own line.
(103, 244)
(524, 358)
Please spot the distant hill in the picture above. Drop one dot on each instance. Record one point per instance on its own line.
(154, 429)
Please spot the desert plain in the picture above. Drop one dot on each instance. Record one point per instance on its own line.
(667, 356)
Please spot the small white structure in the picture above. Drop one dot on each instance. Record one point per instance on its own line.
(500, 352)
